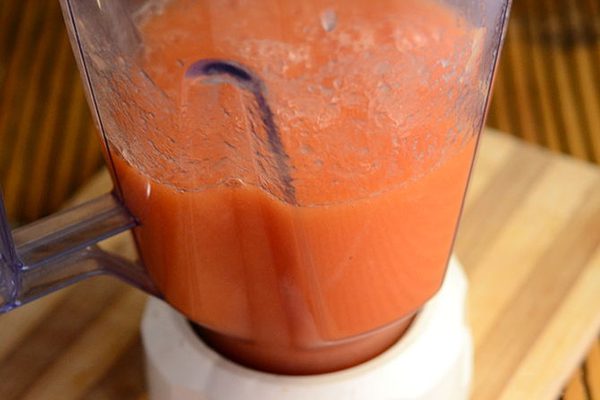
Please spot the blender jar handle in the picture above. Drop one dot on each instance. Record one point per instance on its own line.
(60, 250)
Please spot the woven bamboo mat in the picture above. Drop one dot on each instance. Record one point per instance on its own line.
(547, 90)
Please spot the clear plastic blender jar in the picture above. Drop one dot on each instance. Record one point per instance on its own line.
(293, 171)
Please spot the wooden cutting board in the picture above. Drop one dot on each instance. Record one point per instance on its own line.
(529, 241)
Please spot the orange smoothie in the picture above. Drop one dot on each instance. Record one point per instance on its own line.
(306, 245)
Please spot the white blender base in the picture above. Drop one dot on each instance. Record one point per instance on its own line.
(433, 360)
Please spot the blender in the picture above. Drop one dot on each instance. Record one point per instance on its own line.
(293, 173)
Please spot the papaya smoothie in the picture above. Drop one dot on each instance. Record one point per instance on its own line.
(298, 197)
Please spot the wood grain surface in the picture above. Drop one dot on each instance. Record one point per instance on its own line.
(530, 244)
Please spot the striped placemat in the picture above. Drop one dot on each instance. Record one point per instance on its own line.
(48, 144)
(547, 89)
